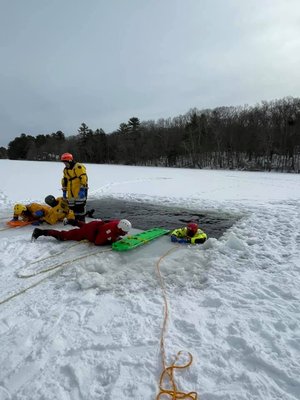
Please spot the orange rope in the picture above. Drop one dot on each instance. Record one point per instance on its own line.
(167, 375)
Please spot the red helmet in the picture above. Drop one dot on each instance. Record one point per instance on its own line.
(66, 157)
(192, 228)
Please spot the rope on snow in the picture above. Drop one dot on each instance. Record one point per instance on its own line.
(51, 268)
(167, 378)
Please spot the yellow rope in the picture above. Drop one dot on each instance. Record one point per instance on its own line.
(168, 372)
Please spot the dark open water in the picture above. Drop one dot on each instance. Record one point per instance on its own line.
(146, 216)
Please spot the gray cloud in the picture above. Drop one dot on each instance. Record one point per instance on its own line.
(99, 62)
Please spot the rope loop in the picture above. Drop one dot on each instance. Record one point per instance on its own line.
(167, 378)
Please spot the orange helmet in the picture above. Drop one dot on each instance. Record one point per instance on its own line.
(192, 228)
(66, 157)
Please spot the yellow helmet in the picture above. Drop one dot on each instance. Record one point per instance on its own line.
(19, 208)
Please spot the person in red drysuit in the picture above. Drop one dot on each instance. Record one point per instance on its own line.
(98, 232)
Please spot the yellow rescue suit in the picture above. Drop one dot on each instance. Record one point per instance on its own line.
(59, 212)
(74, 179)
(28, 215)
(181, 236)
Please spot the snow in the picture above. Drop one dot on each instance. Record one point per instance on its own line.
(91, 328)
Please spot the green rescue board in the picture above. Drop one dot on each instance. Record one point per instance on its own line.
(131, 242)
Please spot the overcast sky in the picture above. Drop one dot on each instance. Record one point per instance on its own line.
(64, 62)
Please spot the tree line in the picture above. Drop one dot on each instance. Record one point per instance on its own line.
(261, 137)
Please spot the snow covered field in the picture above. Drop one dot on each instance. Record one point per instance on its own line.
(91, 329)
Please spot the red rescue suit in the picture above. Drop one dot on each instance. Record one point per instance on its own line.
(97, 232)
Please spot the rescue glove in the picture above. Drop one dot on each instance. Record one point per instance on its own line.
(72, 222)
(184, 241)
(82, 193)
(178, 240)
(39, 213)
(90, 213)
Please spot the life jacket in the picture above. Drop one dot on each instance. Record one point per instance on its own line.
(182, 236)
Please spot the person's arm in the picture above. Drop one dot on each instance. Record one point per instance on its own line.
(105, 234)
(101, 238)
(80, 172)
(51, 217)
(199, 238)
(64, 183)
(70, 215)
(179, 236)
(178, 232)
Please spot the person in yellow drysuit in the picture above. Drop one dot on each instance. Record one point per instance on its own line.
(59, 210)
(75, 185)
(30, 212)
(189, 234)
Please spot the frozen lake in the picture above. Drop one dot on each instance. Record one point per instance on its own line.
(146, 216)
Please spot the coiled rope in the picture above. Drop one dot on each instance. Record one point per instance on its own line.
(167, 383)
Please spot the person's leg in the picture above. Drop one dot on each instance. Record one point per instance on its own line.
(46, 232)
(79, 210)
(73, 234)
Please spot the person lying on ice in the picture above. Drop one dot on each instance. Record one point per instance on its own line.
(98, 232)
(59, 210)
(30, 212)
(189, 234)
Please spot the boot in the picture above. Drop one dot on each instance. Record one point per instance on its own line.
(90, 213)
(72, 222)
(38, 232)
(80, 218)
